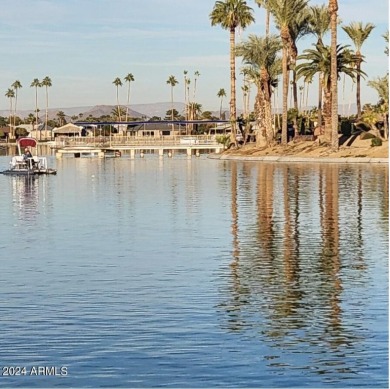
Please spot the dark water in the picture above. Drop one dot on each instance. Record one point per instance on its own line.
(194, 273)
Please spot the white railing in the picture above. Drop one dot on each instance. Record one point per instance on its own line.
(117, 140)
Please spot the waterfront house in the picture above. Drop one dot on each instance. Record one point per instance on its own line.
(68, 129)
(156, 129)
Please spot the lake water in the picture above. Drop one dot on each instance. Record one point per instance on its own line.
(181, 272)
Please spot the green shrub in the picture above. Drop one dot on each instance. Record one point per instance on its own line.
(223, 139)
(376, 142)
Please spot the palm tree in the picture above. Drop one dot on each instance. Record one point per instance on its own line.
(285, 13)
(333, 8)
(231, 14)
(129, 78)
(16, 85)
(117, 82)
(195, 110)
(196, 75)
(262, 56)
(319, 25)
(117, 113)
(246, 91)
(319, 60)
(300, 27)
(61, 117)
(10, 94)
(172, 82)
(185, 94)
(264, 4)
(31, 118)
(46, 82)
(36, 84)
(221, 94)
(358, 33)
(381, 85)
(386, 36)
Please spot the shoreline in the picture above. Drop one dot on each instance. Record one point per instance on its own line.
(292, 159)
(354, 151)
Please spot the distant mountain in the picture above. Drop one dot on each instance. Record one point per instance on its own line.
(135, 111)
(102, 110)
(158, 109)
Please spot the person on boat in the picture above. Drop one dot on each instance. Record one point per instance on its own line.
(28, 156)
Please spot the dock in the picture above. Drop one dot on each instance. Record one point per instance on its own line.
(79, 147)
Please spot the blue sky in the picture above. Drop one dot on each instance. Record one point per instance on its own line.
(83, 45)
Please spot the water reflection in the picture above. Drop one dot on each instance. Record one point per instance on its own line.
(299, 261)
(25, 197)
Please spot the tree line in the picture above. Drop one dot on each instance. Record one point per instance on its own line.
(264, 64)
(268, 61)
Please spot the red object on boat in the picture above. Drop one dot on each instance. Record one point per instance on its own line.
(27, 142)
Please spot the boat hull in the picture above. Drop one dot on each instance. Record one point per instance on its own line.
(27, 172)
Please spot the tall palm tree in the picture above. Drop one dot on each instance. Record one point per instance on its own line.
(221, 94)
(358, 33)
(129, 78)
(36, 84)
(191, 127)
(118, 82)
(16, 85)
(319, 60)
(264, 4)
(319, 25)
(333, 8)
(300, 27)
(46, 82)
(285, 13)
(11, 95)
(196, 75)
(230, 14)
(246, 90)
(172, 82)
(262, 56)
(185, 94)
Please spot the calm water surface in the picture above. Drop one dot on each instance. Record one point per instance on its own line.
(195, 273)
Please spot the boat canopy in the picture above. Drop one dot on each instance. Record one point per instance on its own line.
(27, 142)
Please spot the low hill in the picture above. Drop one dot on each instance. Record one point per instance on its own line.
(103, 110)
(138, 111)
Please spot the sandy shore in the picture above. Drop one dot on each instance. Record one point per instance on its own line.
(358, 151)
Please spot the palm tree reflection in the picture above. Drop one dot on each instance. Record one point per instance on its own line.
(330, 256)
(285, 274)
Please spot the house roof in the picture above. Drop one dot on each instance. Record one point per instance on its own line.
(68, 128)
